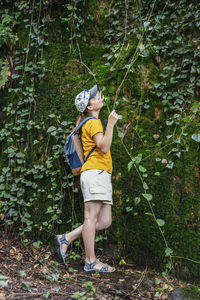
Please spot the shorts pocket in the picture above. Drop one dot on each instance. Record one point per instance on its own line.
(97, 189)
(100, 185)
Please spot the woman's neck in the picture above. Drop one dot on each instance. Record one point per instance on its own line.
(95, 114)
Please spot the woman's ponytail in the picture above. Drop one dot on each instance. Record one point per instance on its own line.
(81, 117)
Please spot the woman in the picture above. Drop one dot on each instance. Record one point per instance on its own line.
(95, 179)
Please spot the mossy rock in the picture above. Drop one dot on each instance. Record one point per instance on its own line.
(189, 292)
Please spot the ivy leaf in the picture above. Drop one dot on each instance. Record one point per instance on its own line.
(138, 159)
(168, 251)
(196, 137)
(51, 129)
(46, 295)
(120, 134)
(3, 280)
(141, 46)
(128, 209)
(144, 53)
(148, 214)
(145, 186)
(15, 76)
(49, 210)
(122, 262)
(22, 273)
(69, 6)
(170, 165)
(156, 85)
(64, 123)
(57, 288)
(137, 200)
(169, 123)
(160, 222)
(27, 68)
(40, 41)
(37, 244)
(157, 173)
(146, 23)
(157, 294)
(158, 281)
(142, 169)
(147, 196)
(25, 286)
(130, 164)
(3, 283)
(178, 141)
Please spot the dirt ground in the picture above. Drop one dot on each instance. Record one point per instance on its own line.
(28, 272)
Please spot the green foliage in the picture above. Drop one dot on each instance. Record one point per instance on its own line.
(25, 286)
(4, 74)
(3, 280)
(74, 19)
(148, 70)
(177, 84)
(89, 286)
(21, 186)
(79, 295)
(7, 21)
(46, 295)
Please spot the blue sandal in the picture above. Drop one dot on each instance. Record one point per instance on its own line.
(104, 269)
(60, 242)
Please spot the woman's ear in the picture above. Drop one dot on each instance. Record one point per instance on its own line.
(89, 107)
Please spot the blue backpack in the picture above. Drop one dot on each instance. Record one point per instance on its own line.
(73, 149)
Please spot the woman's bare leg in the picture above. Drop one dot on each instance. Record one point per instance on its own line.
(98, 216)
(92, 210)
(104, 221)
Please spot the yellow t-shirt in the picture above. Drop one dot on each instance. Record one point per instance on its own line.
(98, 159)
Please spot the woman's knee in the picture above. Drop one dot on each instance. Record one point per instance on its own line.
(103, 224)
(91, 212)
(92, 219)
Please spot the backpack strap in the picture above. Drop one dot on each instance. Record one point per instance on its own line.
(82, 123)
(78, 128)
(89, 153)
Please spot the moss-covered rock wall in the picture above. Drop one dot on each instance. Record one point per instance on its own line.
(145, 58)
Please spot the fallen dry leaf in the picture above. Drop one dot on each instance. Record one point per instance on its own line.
(148, 294)
(134, 286)
(13, 251)
(19, 256)
(165, 286)
(2, 296)
(44, 270)
(164, 297)
(96, 275)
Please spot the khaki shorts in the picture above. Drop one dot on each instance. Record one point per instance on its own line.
(96, 185)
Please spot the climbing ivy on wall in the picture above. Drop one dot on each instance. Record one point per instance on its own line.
(27, 135)
(169, 94)
(144, 55)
